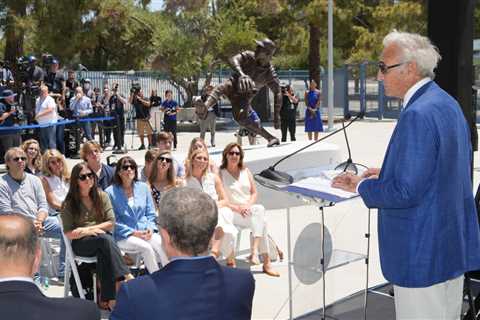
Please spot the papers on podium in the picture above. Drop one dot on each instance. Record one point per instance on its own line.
(320, 187)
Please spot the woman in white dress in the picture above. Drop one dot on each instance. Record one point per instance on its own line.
(241, 193)
(55, 179)
(199, 177)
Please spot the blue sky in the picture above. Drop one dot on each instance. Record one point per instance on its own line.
(156, 5)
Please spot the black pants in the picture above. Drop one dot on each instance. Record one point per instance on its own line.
(171, 126)
(290, 124)
(110, 265)
(119, 132)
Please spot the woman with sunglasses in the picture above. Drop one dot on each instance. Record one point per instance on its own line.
(198, 143)
(31, 147)
(55, 179)
(135, 227)
(88, 221)
(201, 178)
(241, 193)
(313, 120)
(163, 176)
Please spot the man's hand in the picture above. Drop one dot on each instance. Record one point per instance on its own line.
(346, 181)
(372, 173)
(246, 83)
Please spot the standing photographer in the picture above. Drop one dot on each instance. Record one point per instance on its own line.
(170, 108)
(32, 76)
(8, 116)
(142, 114)
(288, 113)
(117, 110)
(6, 77)
(70, 84)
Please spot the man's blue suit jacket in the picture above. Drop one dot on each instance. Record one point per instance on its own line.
(198, 289)
(427, 224)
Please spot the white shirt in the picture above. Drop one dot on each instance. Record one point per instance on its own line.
(26, 279)
(41, 105)
(406, 100)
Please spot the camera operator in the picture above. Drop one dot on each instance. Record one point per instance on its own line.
(81, 107)
(6, 77)
(288, 112)
(55, 81)
(117, 104)
(142, 114)
(70, 84)
(32, 77)
(8, 118)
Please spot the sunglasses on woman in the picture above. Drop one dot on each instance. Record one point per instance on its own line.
(84, 177)
(128, 166)
(234, 153)
(164, 159)
(16, 159)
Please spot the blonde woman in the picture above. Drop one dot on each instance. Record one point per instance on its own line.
(31, 147)
(198, 143)
(55, 179)
(200, 177)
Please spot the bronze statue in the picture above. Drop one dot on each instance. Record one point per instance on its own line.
(252, 71)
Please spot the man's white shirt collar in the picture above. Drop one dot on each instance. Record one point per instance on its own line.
(414, 89)
(26, 279)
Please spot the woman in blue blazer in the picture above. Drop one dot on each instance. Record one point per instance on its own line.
(135, 227)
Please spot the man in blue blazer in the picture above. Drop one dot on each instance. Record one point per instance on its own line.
(192, 286)
(427, 224)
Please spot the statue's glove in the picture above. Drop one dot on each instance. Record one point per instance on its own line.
(246, 84)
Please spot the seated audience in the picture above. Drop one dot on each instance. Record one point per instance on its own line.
(91, 153)
(199, 144)
(241, 193)
(135, 228)
(164, 143)
(31, 147)
(23, 193)
(193, 285)
(200, 178)
(150, 156)
(55, 179)
(20, 298)
(88, 221)
(163, 177)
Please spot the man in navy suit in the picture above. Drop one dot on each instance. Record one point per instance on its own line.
(20, 298)
(427, 224)
(192, 286)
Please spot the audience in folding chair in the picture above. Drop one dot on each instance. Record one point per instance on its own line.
(88, 221)
(91, 153)
(241, 194)
(198, 143)
(135, 228)
(23, 193)
(31, 147)
(55, 179)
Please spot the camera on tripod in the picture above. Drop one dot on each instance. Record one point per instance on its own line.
(135, 89)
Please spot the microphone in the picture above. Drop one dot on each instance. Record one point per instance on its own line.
(284, 178)
(348, 165)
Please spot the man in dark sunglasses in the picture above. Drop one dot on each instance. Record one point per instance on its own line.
(23, 193)
(427, 221)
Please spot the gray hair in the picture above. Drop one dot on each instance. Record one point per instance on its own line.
(190, 217)
(416, 48)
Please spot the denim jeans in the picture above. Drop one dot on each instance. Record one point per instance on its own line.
(52, 229)
(87, 129)
(47, 138)
(60, 138)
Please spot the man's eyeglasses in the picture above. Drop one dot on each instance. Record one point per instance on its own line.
(384, 68)
(16, 159)
(164, 159)
(128, 166)
(84, 177)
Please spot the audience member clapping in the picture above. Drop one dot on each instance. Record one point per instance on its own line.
(55, 179)
(241, 193)
(135, 228)
(88, 221)
(193, 285)
(34, 157)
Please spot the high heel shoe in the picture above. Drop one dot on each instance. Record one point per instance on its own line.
(269, 271)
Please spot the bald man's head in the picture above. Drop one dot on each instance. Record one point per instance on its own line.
(18, 239)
